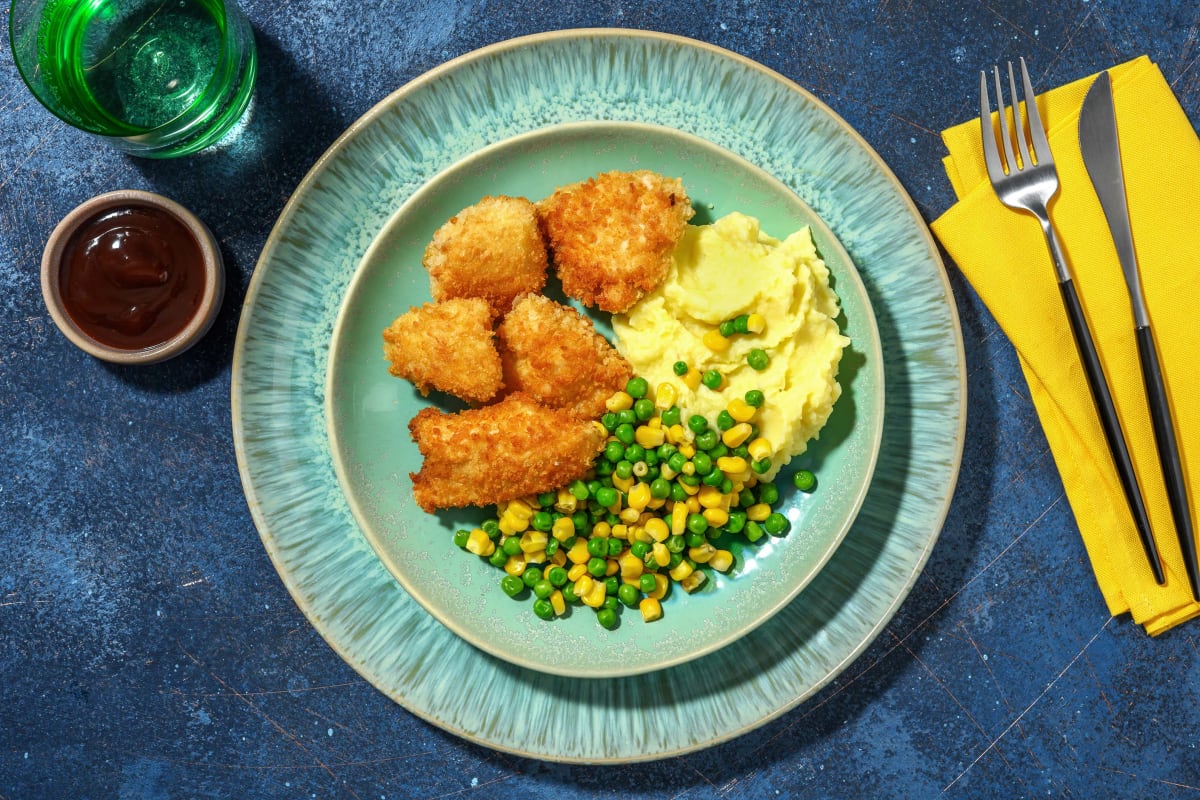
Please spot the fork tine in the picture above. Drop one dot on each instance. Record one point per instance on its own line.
(1041, 147)
(1022, 142)
(991, 155)
(1007, 135)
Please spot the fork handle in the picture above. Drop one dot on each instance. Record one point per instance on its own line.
(1110, 423)
(1168, 453)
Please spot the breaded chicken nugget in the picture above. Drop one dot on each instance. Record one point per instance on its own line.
(611, 237)
(493, 249)
(448, 346)
(553, 353)
(509, 449)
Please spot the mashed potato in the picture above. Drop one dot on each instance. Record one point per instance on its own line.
(720, 271)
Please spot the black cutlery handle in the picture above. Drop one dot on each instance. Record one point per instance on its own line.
(1111, 424)
(1168, 453)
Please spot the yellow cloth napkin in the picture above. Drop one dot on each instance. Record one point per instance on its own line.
(1003, 254)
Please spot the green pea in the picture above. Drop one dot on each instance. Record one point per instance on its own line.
(635, 453)
(707, 440)
(597, 547)
(660, 489)
(776, 524)
(511, 545)
(556, 575)
(726, 486)
(697, 423)
(676, 461)
(717, 451)
(609, 421)
(597, 567)
(758, 359)
(543, 588)
(461, 536)
(569, 595)
(676, 560)
(611, 585)
(746, 498)
(703, 463)
(714, 478)
(628, 415)
(689, 480)
(761, 466)
(629, 594)
(694, 539)
(637, 387)
(607, 618)
(582, 524)
(754, 531)
(639, 549)
(678, 493)
(696, 523)
(604, 467)
(643, 409)
(737, 521)
(546, 499)
(542, 521)
(651, 457)
(671, 416)
(712, 379)
(614, 451)
(623, 469)
(804, 480)
(551, 547)
(768, 493)
(727, 328)
(498, 558)
(615, 546)
(755, 398)
(624, 433)
(680, 368)
(543, 608)
(741, 323)
(725, 420)
(741, 451)
(531, 576)
(512, 585)
(607, 496)
(675, 543)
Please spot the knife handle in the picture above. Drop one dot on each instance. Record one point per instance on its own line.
(1111, 424)
(1168, 453)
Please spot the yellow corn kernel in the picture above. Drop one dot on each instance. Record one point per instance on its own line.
(732, 464)
(594, 597)
(688, 468)
(601, 530)
(648, 436)
(759, 449)
(564, 528)
(710, 497)
(519, 508)
(538, 557)
(565, 502)
(630, 516)
(639, 534)
(624, 484)
(756, 323)
(690, 489)
(758, 512)
(611, 567)
(693, 503)
(532, 541)
(716, 516)
(583, 585)
(639, 496)
(516, 565)
(679, 514)
(619, 531)
(721, 561)
(619, 401)
(559, 558)
(656, 503)
(688, 449)
(578, 554)
(479, 543)
(665, 396)
(681, 571)
(662, 585)
(558, 603)
(601, 431)
(740, 410)
(631, 565)
(667, 473)
(662, 556)
(701, 554)
(737, 434)
(692, 379)
(577, 571)
(675, 434)
(714, 341)
(651, 609)
(511, 523)
(692, 582)
(658, 529)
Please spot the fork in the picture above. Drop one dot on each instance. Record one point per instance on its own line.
(1028, 184)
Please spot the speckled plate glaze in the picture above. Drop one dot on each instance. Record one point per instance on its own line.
(369, 411)
(283, 345)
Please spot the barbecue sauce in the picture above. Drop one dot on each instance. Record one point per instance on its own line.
(132, 277)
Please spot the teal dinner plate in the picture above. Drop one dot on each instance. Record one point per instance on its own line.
(281, 365)
(369, 411)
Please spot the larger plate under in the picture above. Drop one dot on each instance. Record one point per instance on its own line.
(280, 366)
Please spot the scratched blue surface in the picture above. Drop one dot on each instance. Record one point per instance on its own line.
(149, 650)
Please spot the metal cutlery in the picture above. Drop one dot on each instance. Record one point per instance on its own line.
(1099, 145)
(1028, 184)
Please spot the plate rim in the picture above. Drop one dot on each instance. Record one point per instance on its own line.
(874, 354)
(289, 211)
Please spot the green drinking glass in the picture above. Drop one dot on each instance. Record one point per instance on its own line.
(155, 78)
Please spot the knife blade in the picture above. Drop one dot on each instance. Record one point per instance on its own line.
(1099, 143)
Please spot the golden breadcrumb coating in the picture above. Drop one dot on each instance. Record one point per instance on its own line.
(509, 449)
(448, 346)
(493, 249)
(611, 237)
(553, 353)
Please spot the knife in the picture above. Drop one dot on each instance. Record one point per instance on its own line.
(1098, 143)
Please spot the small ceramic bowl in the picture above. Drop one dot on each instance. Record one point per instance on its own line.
(200, 320)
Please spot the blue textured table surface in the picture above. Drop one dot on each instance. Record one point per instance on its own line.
(148, 649)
